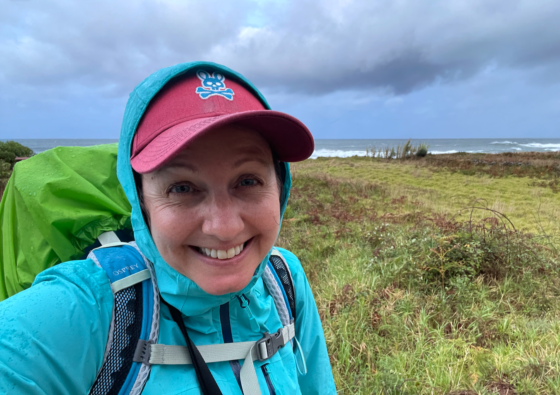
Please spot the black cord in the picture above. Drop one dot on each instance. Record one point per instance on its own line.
(207, 382)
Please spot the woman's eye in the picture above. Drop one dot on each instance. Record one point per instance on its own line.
(181, 188)
(248, 182)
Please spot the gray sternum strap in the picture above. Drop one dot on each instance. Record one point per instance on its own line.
(161, 354)
(263, 349)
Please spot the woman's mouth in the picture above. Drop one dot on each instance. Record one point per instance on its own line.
(222, 254)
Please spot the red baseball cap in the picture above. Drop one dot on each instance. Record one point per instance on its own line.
(201, 101)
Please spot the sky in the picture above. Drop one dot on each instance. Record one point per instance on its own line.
(348, 69)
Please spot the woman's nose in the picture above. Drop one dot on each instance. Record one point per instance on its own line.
(222, 219)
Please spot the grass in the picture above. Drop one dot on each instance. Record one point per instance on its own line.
(414, 297)
(432, 185)
(406, 151)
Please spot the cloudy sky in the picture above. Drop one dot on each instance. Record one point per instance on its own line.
(347, 68)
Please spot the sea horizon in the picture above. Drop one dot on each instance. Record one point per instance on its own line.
(359, 147)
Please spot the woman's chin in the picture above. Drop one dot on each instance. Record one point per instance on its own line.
(225, 286)
(227, 276)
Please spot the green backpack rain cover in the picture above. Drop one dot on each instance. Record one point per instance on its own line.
(55, 205)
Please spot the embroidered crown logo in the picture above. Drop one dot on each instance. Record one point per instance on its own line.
(213, 85)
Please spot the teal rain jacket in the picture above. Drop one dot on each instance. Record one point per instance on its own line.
(53, 335)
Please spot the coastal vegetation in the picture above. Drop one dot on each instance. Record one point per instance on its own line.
(9, 151)
(435, 274)
(405, 151)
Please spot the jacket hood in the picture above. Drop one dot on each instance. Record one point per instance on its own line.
(175, 288)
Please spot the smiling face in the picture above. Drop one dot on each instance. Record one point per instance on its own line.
(214, 209)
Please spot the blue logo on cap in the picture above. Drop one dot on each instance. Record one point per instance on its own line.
(213, 85)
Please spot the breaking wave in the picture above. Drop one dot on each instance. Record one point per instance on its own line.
(329, 153)
(443, 152)
(539, 145)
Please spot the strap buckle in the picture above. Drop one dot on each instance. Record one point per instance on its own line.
(143, 352)
(270, 344)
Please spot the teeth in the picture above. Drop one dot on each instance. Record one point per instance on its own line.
(222, 254)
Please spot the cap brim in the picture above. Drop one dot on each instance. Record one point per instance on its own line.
(288, 137)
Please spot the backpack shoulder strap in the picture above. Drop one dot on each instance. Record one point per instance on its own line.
(135, 315)
(278, 280)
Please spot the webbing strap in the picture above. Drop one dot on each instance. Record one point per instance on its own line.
(208, 385)
(108, 238)
(160, 354)
(179, 355)
(130, 280)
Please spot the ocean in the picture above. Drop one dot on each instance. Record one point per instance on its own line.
(345, 147)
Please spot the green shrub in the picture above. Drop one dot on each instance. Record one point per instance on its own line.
(436, 255)
(8, 157)
(10, 150)
(422, 152)
(5, 171)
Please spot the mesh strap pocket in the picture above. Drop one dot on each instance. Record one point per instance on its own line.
(128, 325)
(281, 269)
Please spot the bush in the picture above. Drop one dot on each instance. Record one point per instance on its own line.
(422, 152)
(8, 157)
(10, 150)
(4, 175)
(437, 255)
(5, 171)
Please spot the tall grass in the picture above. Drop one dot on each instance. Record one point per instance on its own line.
(407, 150)
(421, 302)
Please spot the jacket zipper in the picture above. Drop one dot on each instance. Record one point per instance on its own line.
(271, 389)
(228, 338)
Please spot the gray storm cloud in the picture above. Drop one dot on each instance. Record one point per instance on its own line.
(310, 47)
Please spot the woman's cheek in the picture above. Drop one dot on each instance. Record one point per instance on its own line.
(266, 209)
(169, 229)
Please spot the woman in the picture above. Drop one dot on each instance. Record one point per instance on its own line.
(202, 162)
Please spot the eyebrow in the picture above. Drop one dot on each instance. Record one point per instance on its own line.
(188, 166)
(250, 159)
(251, 154)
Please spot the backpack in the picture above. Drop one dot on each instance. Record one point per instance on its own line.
(132, 345)
(54, 207)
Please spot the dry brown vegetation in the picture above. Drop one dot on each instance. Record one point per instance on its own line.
(417, 300)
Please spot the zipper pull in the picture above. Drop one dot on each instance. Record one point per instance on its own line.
(243, 301)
